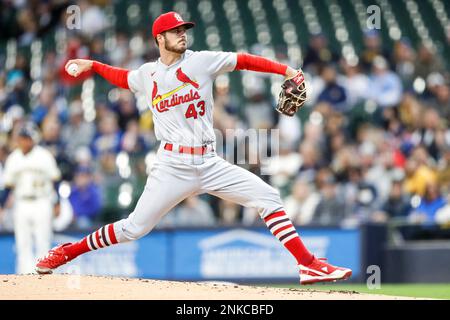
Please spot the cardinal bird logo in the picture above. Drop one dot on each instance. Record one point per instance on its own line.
(185, 79)
(155, 90)
(170, 99)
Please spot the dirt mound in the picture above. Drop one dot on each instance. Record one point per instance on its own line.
(60, 286)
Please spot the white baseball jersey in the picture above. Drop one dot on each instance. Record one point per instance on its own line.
(31, 174)
(181, 99)
(32, 177)
(181, 95)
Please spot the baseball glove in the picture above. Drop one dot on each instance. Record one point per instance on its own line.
(293, 95)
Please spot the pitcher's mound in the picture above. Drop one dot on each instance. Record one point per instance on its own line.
(61, 286)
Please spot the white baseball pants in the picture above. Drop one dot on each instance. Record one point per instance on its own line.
(176, 176)
(33, 232)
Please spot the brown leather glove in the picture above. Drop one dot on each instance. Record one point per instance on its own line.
(293, 95)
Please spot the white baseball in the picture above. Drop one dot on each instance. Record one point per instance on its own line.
(72, 69)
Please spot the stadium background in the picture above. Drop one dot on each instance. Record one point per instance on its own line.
(365, 165)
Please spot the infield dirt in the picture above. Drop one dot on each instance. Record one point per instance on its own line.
(63, 287)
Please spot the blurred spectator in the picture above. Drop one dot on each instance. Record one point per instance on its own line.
(290, 131)
(310, 158)
(119, 53)
(343, 160)
(332, 93)
(331, 208)
(429, 204)
(51, 128)
(77, 132)
(361, 196)
(108, 137)
(283, 166)
(191, 212)
(93, 19)
(223, 98)
(132, 141)
(85, 198)
(46, 101)
(373, 48)
(110, 182)
(16, 85)
(26, 20)
(83, 157)
(439, 98)
(28, 24)
(230, 214)
(49, 72)
(410, 110)
(335, 137)
(125, 109)
(378, 168)
(442, 216)
(194, 212)
(8, 20)
(404, 59)
(355, 83)
(318, 53)
(3, 92)
(51, 139)
(14, 116)
(97, 50)
(301, 204)
(314, 132)
(226, 107)
(259, 112)
(398, 204)
(385, 86)
(427, 61)
(444, 169)
(426, 134)
(48, 14)
(418, 172)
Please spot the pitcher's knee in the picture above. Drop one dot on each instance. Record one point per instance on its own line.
(270, 202)
(127, 230)
(135, 232)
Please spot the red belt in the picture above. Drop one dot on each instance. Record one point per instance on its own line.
(189, 150)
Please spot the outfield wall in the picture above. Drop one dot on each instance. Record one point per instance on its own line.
(233, 254)
(254, 255)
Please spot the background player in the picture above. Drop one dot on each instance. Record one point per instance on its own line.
(31, 172)
(178, 90)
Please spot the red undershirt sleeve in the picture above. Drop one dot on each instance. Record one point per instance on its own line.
(251, 62)
(116, 76)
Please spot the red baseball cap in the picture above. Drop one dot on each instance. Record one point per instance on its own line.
(167, 21)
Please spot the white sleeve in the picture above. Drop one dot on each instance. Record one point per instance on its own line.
(9, 172)
(135, 81)
(217, 62)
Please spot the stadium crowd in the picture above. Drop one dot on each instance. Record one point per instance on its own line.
(372, 144)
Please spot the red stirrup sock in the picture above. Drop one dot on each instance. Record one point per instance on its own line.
(101, 238)
(281, 227)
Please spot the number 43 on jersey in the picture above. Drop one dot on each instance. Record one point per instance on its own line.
(193, 111)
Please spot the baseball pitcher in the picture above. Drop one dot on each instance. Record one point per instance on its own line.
(31, 173)
(178, 90)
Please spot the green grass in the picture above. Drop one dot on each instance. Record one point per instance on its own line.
(436, 291)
